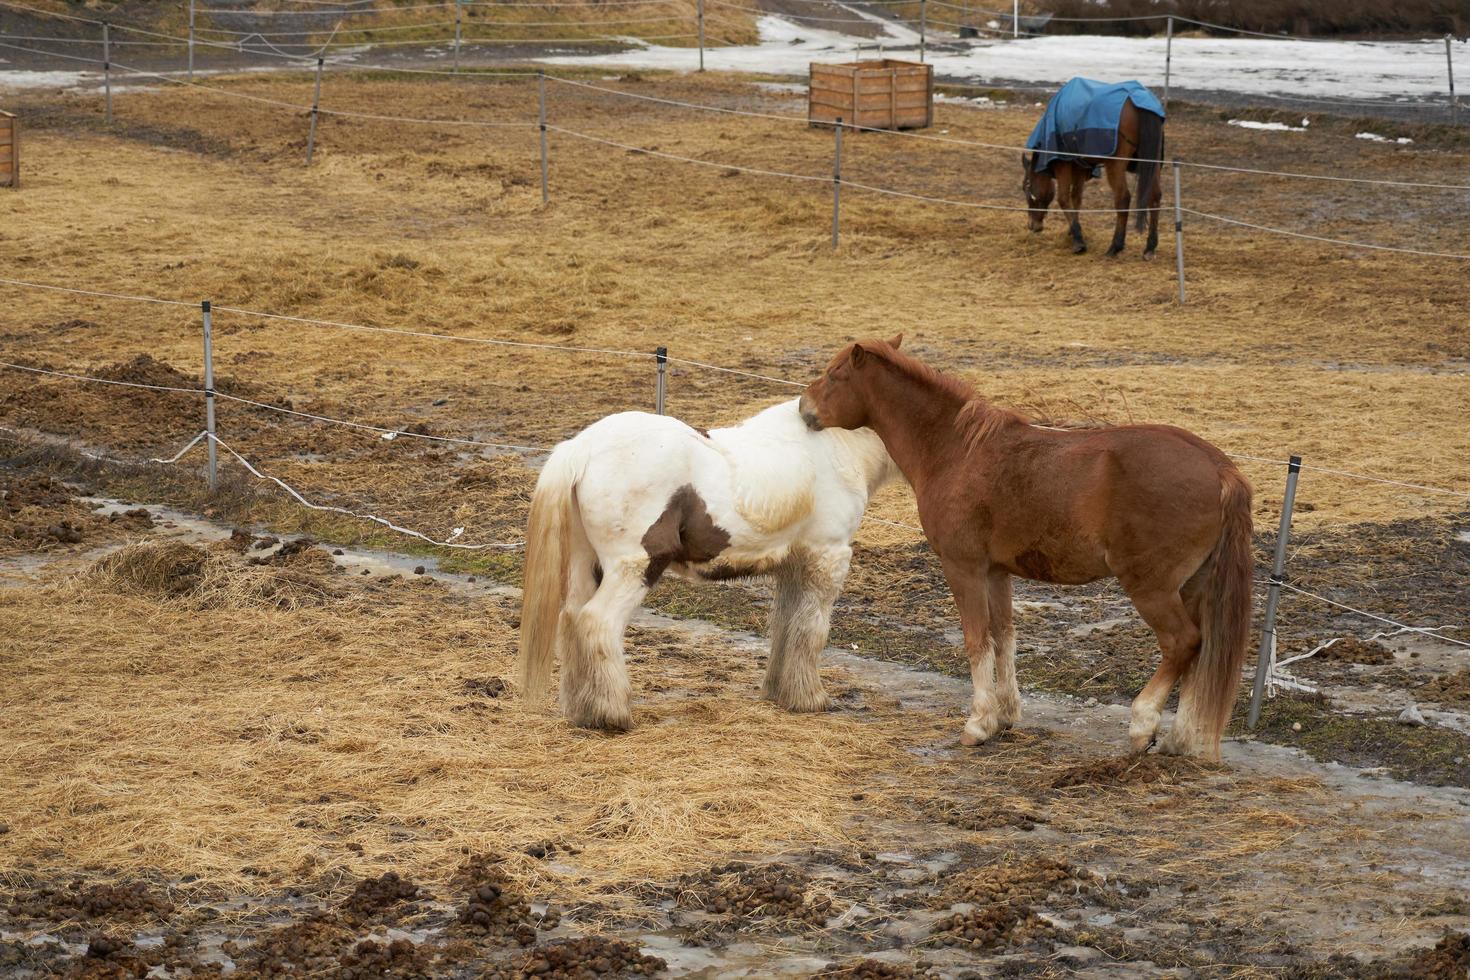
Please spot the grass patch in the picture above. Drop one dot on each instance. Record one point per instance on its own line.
(1422, 754)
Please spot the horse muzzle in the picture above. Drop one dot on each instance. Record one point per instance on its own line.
(808, 415)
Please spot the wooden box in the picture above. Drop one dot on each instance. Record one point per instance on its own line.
(882, 94)
(9, 150)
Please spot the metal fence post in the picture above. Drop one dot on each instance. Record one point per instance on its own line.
(541, 96)
(700, 9)
(316, 101)
(1273, 594)
(1449, 62)
(191, 40)
(1168, 62)
(836, 181)
(209, 394)
(1015, 18)
(660, 354)
(923, 33)
(458, 21)
(1178, 233)
(107, 68)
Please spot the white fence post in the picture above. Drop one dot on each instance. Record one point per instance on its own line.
(458, 21)
(1273, 594)
(316, 101)
(1449, 63)
(107, 68)
(209, 395)
(836, 181)
(191, 40)
(700, 9)
(1178, 233)
(660, 354)
(541, 97)
(1168, 62)
(1015, 18)
(923, 34)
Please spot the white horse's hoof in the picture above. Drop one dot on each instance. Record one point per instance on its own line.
(802, 705)
(607, 719)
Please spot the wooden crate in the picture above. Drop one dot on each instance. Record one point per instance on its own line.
(9, 150)
(882, 94)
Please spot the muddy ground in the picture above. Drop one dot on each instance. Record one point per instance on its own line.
(1050, 852)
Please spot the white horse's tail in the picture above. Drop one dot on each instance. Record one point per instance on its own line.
(549, 534)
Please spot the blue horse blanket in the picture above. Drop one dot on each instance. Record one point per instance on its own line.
(1081, 120)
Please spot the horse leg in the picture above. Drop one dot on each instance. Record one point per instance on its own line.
(970, 587)
(1185, 736)
(1179, 639)
(594, 681)
(807, 585)
(790, 585)
(1155, 199)
(1071, 196)
(584, 574)
(1003, 636)
(1118, 181)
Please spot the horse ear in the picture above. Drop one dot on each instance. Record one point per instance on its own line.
(857, 355)
(896, 341)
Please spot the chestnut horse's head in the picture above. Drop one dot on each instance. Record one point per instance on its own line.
(1039, 189)
(835, 400)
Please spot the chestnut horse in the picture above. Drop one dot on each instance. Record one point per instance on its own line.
(1157, 507)
(1140, 147)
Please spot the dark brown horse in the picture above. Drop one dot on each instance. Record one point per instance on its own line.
(1140, 147)
(1157, 507)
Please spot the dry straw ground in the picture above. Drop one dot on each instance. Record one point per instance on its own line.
(1350, 358)
(670, 22)
(190, 714)
(259, 724)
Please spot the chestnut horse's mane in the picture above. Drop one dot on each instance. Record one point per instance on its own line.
(977, 419)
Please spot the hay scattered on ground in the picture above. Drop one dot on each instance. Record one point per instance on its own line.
(263, 737)
(210, 578)
(1343, 357)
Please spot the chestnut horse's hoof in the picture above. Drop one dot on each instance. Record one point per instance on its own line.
(1149, 256)
(1112, 253)
(1078, 248)
(978, 731)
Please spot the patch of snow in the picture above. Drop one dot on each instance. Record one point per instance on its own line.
(978, 102)
(1405, 71)
(1383, 139)
(1274, 127)
(21, 80)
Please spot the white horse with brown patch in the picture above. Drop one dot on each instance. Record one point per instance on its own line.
(635, 496)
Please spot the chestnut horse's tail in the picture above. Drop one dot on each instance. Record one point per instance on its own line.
(1208, 692)
(1150, 151)
(549, 534)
